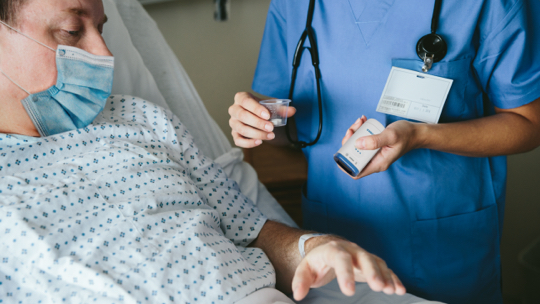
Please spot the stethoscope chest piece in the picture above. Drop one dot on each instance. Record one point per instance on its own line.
(431, 48)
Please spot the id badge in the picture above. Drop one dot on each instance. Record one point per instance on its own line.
(414, 95)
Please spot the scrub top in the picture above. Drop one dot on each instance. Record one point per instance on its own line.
(435, 217)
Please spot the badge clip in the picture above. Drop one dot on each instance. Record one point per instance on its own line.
(428, 63)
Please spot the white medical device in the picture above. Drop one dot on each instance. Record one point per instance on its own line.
(353, 160)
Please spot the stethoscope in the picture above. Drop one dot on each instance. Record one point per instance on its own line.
(431, 48)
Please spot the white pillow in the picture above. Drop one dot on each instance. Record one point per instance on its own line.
(131, 77)
(143, 57)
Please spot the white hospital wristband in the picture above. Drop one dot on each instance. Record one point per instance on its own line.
(303, 240)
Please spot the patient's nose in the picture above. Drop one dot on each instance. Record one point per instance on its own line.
(97, 46)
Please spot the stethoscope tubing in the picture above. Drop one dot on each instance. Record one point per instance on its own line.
(422, 47)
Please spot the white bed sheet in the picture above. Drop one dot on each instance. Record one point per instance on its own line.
(147, 67)
(330, 294)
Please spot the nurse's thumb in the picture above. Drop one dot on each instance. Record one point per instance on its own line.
(291, 111)
(369, 142)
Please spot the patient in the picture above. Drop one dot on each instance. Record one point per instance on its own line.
(107, 199)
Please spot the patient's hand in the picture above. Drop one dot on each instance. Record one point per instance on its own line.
(349, 263)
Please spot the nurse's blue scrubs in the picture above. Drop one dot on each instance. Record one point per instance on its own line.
(435, 217)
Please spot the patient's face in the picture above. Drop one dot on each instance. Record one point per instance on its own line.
(77, 23)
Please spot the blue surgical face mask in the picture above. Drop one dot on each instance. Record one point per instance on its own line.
(84, 83)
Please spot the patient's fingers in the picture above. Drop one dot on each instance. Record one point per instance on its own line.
(348, 263)
(302, 281)
(371, 270)
(379, 277)
(389, 287)
(377, 274)
(343, 266)
(400, 289)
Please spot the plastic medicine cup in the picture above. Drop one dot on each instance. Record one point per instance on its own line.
(278, 109)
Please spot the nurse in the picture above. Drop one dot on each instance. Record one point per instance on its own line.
(434, 210)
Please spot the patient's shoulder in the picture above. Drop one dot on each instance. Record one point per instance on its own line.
(123, 103)
(129, 113)
(126, 108)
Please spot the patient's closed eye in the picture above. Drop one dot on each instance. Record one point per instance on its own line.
(74, 33)
(69, 36)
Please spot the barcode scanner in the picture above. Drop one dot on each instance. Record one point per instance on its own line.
(353, 160)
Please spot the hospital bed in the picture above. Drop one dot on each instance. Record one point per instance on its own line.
(145, 66)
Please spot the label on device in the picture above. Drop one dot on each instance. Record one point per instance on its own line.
(414, 95)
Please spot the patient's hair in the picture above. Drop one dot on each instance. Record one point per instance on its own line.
(9, 10)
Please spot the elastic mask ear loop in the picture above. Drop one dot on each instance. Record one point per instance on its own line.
(43, 44)
(15, 83)
(2, 71)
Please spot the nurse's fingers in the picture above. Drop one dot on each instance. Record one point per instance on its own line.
(374, 142)
(247, 118)
(376, 165)
(383, 159)
(243, 142)
(250, 132)
(290, 111)
(251, 103)
(401, 134)
(357, 124)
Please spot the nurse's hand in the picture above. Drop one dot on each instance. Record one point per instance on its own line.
(396, 140)
(349, 263)
(249, 121)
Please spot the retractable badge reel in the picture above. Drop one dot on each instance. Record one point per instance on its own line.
(432, 48)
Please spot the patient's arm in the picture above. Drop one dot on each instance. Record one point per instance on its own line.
(327, 257)
(242, 223)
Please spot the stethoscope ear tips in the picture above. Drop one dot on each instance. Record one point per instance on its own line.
(431, 48)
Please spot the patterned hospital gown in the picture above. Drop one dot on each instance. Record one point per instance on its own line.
(126, 210)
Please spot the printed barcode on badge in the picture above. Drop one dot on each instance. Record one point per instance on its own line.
(393, 103)
(394, 106)
(414, 95)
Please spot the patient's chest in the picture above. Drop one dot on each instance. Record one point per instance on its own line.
(110, 201)
(125, 169)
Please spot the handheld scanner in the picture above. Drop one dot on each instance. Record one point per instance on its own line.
(353, 160)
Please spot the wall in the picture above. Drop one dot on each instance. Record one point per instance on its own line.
(522, 217)
(221, 58)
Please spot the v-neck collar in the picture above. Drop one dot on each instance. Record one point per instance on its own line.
(370, 15)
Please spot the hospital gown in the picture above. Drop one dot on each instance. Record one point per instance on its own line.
(126, 210)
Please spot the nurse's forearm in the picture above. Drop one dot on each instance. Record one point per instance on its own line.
(507, 132)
